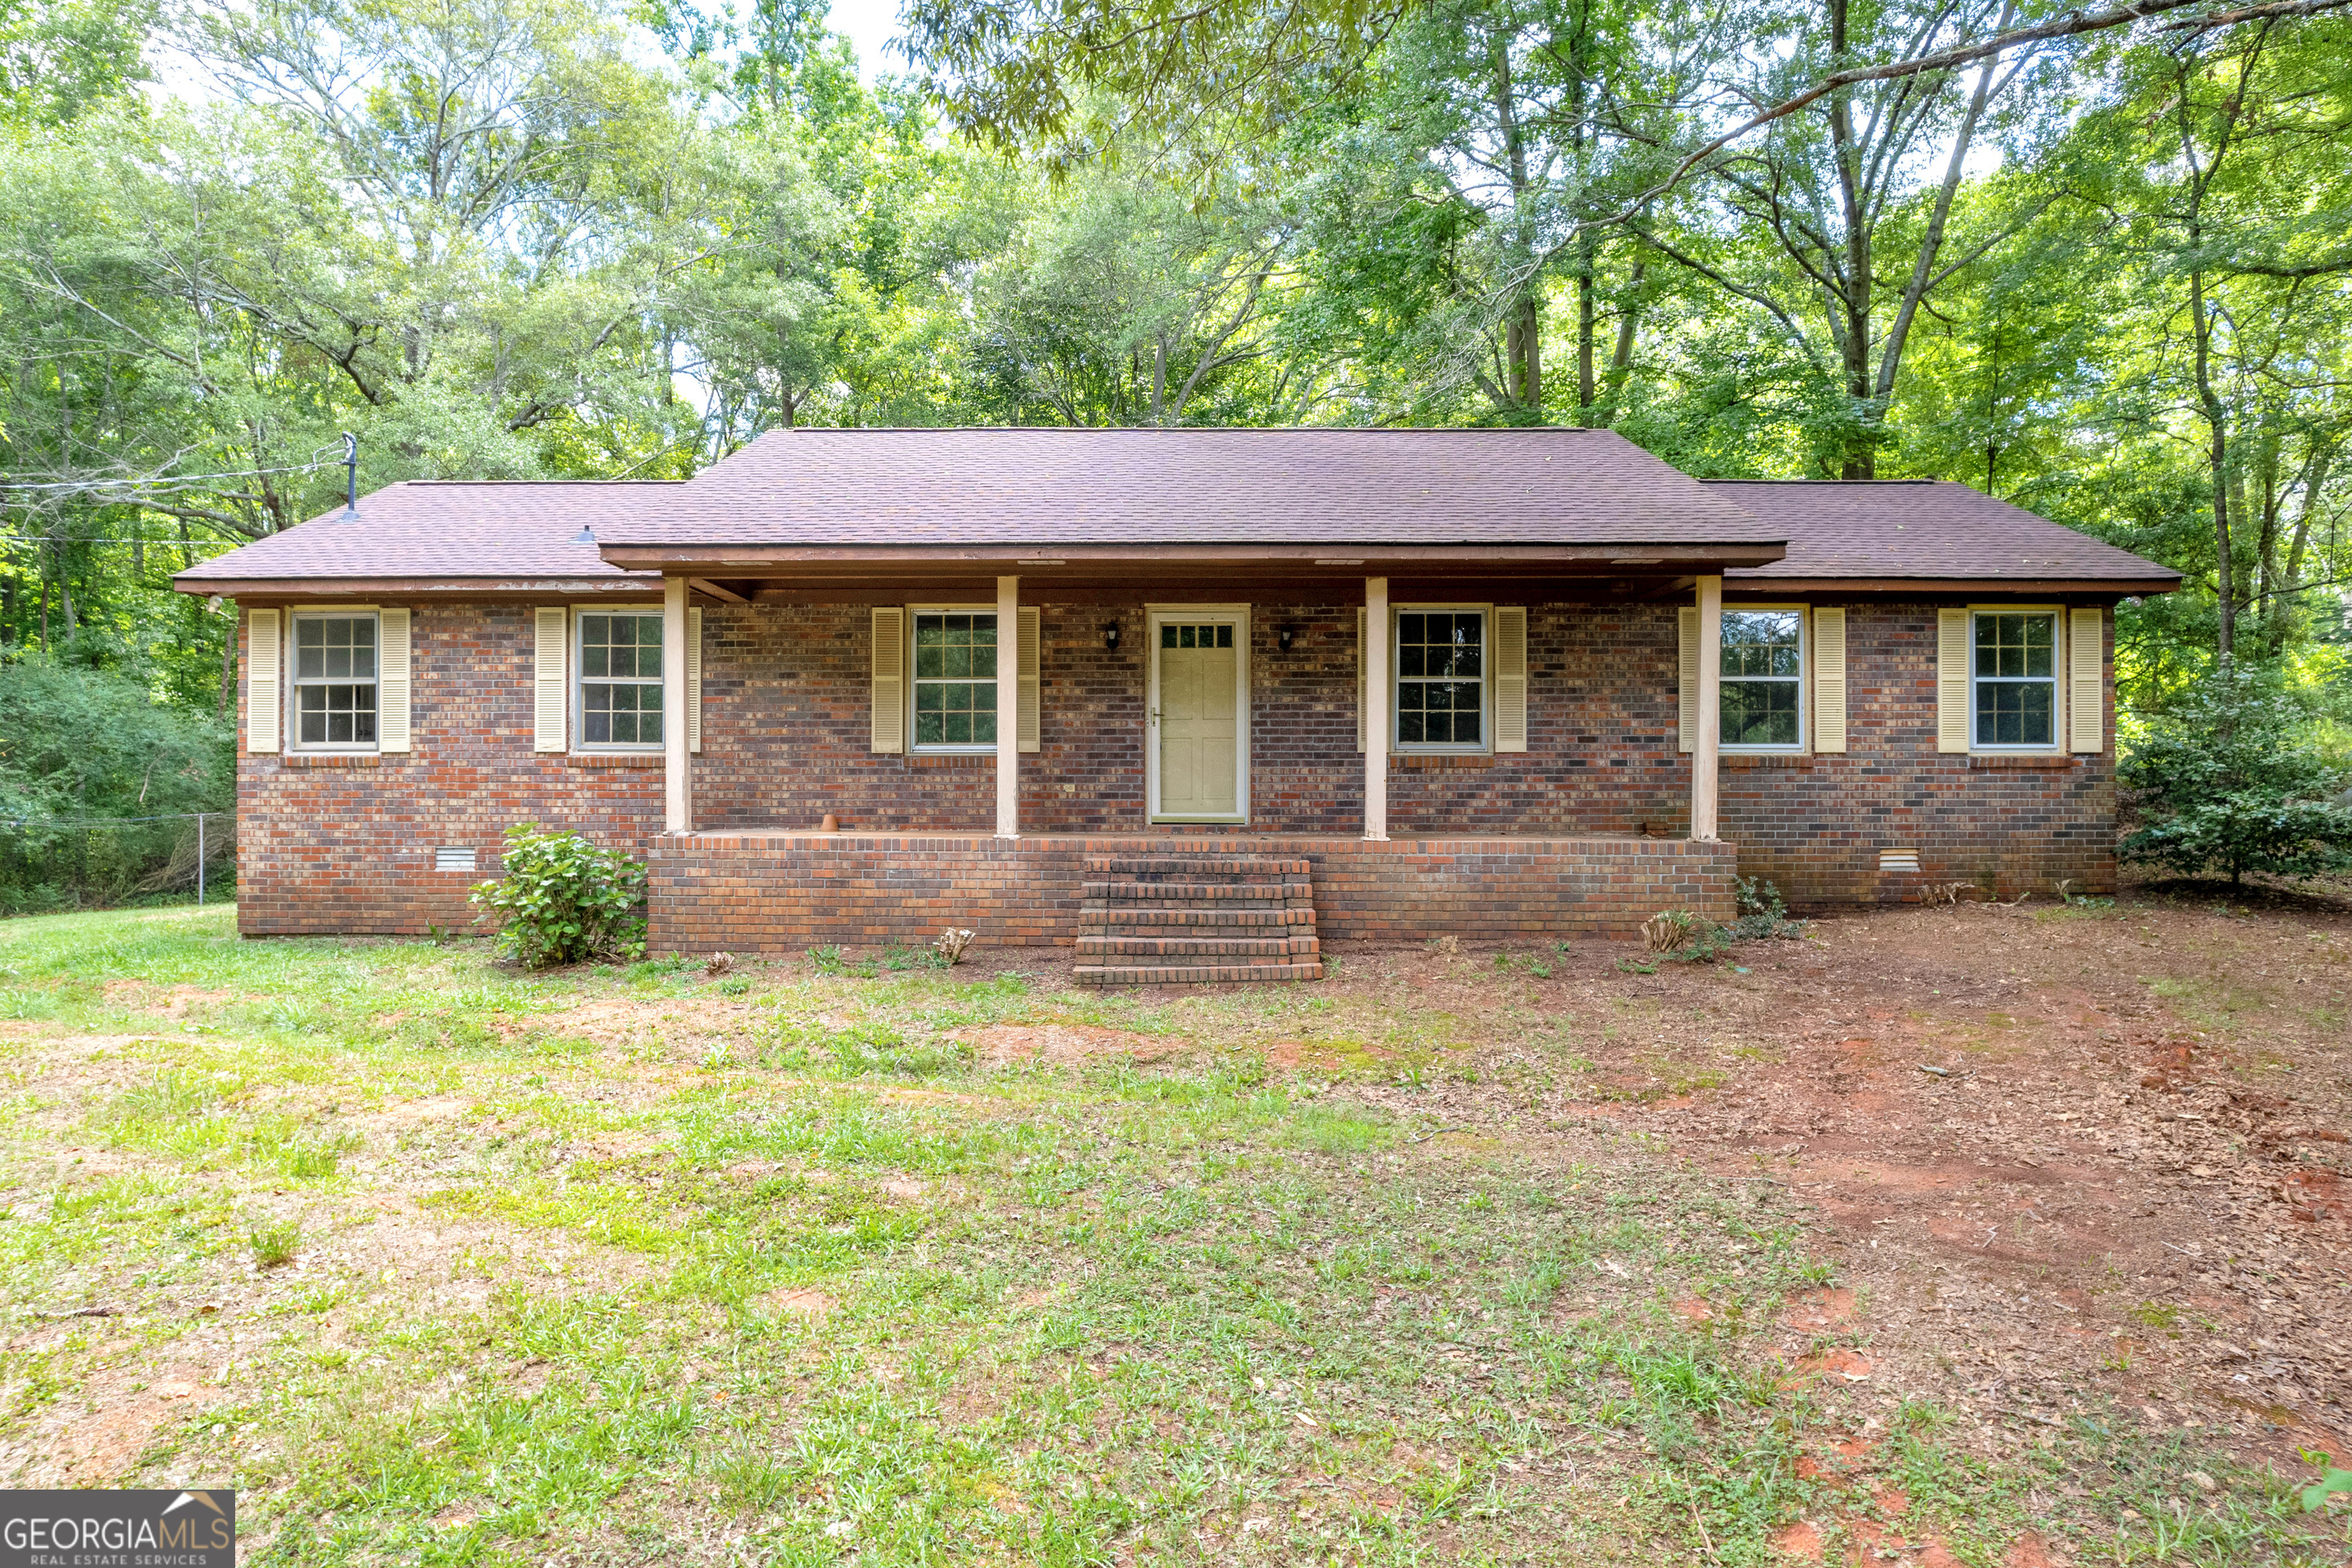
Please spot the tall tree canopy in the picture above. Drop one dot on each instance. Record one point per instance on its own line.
(2092, 261)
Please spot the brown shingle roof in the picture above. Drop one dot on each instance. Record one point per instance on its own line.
(1024, 487)
(1931, 530)
(944, 486)
(447, 529)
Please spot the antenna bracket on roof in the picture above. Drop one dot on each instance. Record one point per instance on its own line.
(351, 477)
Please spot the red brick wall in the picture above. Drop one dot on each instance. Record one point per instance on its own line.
(786, 737)
(1815, 824)
(345, 844)
(784, 893)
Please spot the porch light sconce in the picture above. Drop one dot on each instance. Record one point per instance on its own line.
(1110, 636)
(1282, 639)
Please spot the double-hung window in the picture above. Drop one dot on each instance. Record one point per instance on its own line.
(620, 679)
(2013, 673)
(334, 684)
(1762, 669)
(1440, 680)
(955, 680)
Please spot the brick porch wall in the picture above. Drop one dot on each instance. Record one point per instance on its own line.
(783, 893)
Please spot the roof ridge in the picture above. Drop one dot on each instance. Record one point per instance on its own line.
(1739, 481)
(1182, 431)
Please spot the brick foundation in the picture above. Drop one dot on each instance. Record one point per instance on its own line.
(784, 892)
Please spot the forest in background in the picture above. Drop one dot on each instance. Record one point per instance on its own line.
(2102, 271)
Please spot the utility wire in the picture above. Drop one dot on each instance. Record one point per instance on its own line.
(165, 481)
(22, 823)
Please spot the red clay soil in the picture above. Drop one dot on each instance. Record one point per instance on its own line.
(2063, 1158)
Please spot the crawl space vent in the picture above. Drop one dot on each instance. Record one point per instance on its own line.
(453, 860)
(1892, 861)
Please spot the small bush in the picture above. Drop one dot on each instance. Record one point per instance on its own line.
(563, 900)
(2229, 777)
(1680, 937)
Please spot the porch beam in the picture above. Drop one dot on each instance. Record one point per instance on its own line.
(678, 782)
(1376, 710)
(1008, 707)
(718, 590)
(1705, 774)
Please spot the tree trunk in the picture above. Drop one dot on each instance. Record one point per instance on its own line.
(2217, 458)
(1851, 320)
(1523, 357)
(1522, 326)
(1586, 389)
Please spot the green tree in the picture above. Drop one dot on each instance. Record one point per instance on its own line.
(2230, 776)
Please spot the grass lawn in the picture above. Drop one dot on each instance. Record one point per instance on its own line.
(439, 1263)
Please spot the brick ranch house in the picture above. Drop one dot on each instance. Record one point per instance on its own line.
(1262, 687)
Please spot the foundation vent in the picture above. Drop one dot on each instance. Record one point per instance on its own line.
(1892, 861)
(453, 860)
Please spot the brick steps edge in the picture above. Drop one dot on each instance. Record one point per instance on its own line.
(1193, 974)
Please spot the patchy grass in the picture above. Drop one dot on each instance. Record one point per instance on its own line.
(864, 1260)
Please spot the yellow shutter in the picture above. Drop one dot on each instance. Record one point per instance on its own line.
(1951, 680)
(1829, 680)
(693, 680)
(1031, 685)
(550, 702)
(1510, 679)
(2087, 686)
(264, 704)
(890, 701)
(1359, 677)
(1689, 616)
(391, 681)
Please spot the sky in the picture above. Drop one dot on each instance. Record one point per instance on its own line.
(869, 25)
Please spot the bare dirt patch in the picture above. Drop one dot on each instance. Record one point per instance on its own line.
(2061, 1154)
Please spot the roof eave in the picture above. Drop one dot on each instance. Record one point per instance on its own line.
(503, 586)
(2111, 587)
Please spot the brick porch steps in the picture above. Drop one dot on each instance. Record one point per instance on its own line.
(1165, 919)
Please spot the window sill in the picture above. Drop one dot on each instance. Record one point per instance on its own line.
(331, 759)
(1741, 760)
(616, 758)
(2052, 761)
(931, 760)
(1437, 762)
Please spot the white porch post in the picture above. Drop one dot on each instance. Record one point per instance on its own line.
(1704, 773)
(678, 791)
(1376, 710)
(1008, 707)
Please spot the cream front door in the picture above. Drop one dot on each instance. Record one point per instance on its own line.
(1197, 681)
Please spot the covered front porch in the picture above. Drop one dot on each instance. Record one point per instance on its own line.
(1474, 742)
(1557, 676)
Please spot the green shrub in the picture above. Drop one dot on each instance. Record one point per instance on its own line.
(2229, 777)
(563, 900)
